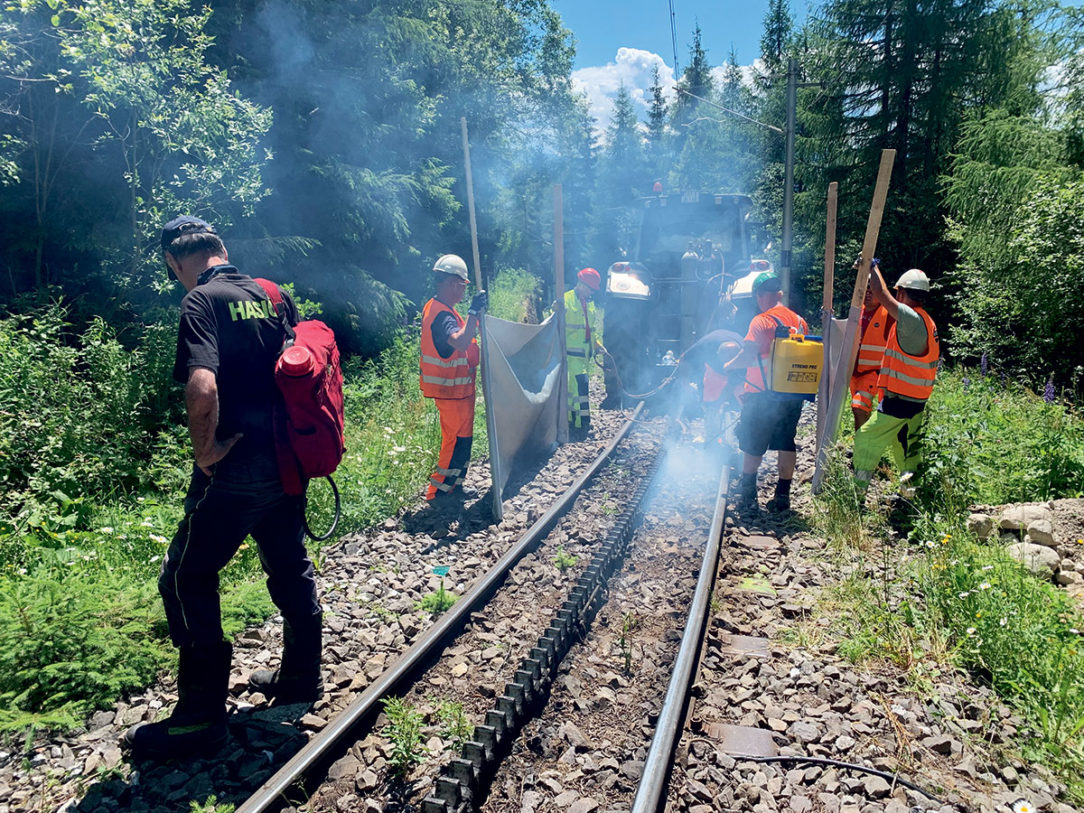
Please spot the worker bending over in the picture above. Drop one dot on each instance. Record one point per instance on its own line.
(583, 340)
(906, 379)
(767, 421)
(449, 364)
(874, 325)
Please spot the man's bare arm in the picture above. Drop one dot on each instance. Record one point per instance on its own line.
(201, 402)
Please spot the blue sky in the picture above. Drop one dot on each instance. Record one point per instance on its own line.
(621, 41)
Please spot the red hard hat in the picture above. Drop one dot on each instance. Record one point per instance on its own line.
(590, 277)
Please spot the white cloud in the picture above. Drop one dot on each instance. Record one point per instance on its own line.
(633, 67)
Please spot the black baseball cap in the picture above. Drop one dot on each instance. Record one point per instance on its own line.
(185, 224)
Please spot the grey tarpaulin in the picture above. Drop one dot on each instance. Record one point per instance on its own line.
(523, 363)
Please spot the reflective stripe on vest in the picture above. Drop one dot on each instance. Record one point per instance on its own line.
(874, 340)
(911, 376)
(452, 377)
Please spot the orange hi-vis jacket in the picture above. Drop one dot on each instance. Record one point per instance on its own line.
(910, 376)
(452, 377)
(874, 340)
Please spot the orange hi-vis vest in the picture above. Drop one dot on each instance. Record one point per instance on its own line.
(874, 340)
(910, 376)
(452, 377)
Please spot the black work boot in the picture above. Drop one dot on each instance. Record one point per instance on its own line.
(747, 494)
(197, 726)
(781, 500)
(298, 680)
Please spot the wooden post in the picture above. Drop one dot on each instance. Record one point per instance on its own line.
(559, 308)
(491, 430)
(827, 310)
(849, 350)
(470, 206)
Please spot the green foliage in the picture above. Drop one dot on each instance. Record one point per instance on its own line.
(438, 601)
(513, 296)
(69, 643)
(212, 805)
(455, 728)
(404, 730)
(563, 560)
(992, 443)
(953, 602)
(85, 436)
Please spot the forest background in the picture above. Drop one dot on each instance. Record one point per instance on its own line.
(323, 139)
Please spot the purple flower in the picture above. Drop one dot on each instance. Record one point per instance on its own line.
(1048, 393)
(967, 382)
(984, 365)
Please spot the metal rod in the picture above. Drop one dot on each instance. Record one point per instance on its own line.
(659, 757)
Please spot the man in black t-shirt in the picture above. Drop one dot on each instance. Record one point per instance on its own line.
(230, 336)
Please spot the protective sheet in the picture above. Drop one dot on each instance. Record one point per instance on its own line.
(523, 366)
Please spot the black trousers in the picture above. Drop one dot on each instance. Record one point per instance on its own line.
(218, 515)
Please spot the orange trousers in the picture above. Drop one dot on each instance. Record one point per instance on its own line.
(456, 438)
(864, 390)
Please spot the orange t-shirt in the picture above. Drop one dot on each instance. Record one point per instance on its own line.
(762, 332)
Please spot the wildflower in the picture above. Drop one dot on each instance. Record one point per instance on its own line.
(1048, 396)
(967, 382)
(388, 430)
(984, 586)
(1074, 630)
(146, 523)
(108, 530)
(984, 365)
(1003, 622)
(971, 630)
(155, 558)
(1022, 806)
(987, 567)
(398, 449)
(161, 540)
(964, 594)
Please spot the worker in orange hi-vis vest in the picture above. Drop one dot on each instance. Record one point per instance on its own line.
(907, 376)
(449, 362)
(874, 326)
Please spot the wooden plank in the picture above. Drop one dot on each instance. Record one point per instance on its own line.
(559, 307)
(849, 351)
(494, 452)
(827, 310)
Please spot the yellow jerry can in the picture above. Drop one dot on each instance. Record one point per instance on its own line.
(796, 364)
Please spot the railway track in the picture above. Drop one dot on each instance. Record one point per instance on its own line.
(655, 554)
(595, 664)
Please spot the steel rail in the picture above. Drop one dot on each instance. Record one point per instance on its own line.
(656, 775)
(314, 758)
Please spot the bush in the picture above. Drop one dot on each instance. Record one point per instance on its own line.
(68, 646)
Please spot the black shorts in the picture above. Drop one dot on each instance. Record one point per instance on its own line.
(768, 423)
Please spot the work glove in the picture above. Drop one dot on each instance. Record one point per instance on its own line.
(479, 303)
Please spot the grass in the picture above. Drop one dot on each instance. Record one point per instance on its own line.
(945, 600)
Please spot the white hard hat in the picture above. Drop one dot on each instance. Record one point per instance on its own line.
(452, 264)
(915, 280)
